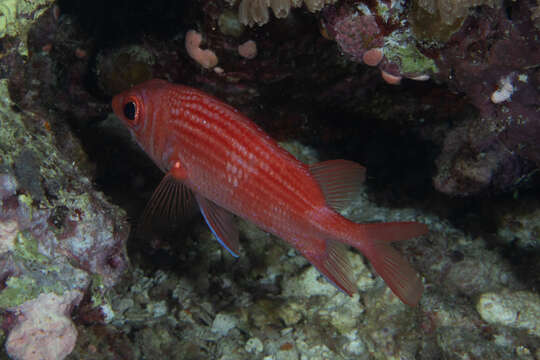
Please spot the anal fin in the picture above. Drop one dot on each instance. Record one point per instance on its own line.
(221, 222)
(334, 264)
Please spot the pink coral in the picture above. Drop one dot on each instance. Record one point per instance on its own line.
(378, 40)
(357, 34)
(373, 57)
(44, 330)
(390, 78)
(206, 58)
(248, 49)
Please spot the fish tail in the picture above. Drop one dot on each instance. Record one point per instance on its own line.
(340, 182)
(373, 240)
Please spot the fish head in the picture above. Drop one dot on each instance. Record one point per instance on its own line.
(138, 108)
(134, 106)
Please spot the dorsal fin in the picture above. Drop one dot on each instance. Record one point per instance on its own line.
(171, 202)
(221, 222)
(340, 181)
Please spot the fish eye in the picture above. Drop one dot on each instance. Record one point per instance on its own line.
(130, 110)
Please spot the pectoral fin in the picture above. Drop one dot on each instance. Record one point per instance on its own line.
(221, 222)
(170, 202)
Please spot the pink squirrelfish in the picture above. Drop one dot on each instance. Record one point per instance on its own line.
(213, 153)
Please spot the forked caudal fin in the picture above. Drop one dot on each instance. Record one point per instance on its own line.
(374, 242)
(333, 262)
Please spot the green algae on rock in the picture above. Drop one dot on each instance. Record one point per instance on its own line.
(48, 254)
(400, 48)
(17, 16)
(229, 24)
(41, 275)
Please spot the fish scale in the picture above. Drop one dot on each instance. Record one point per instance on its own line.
(224, 137)
(230, 166)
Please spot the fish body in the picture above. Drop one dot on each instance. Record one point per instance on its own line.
(215, 154)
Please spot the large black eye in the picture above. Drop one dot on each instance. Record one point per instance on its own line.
(130, 109)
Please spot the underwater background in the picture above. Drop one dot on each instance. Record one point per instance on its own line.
(438, 99)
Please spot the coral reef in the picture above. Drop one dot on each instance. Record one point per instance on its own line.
(16, 18)
(57, 232)
(493, 60)
(450, 11)
(251, 12)
(55, 210)
(307, 78)
(490, 58)
(271, 303)
(377, 37)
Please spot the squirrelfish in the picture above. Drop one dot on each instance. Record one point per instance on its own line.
(213, 154)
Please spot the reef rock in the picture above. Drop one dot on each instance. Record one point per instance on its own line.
(44, 330)
(58, 234)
